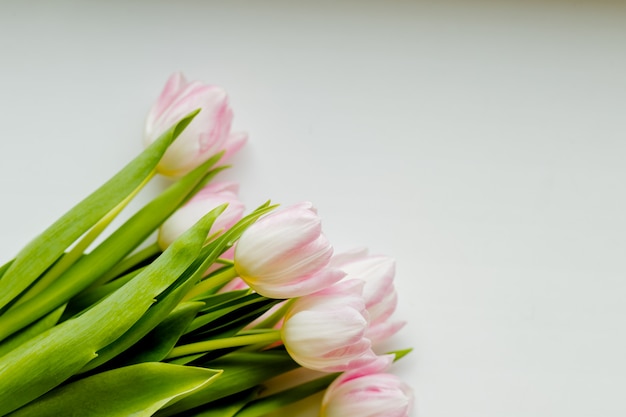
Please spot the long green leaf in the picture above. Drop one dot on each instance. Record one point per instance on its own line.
(176, 293)
(159, 342)
(91, 296)
(278, 400)
(137, 390)
(265, 405)
(50, 358)
(45, 249)
(41, 325)
(226, 407)
(234, 316)
(91, 266)
(168, 301)
(242, 371)
(4, 268)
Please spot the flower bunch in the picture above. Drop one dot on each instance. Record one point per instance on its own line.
(198, 319)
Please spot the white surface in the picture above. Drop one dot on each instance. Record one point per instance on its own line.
(482, 145)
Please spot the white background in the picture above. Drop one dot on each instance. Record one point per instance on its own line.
(481, 144)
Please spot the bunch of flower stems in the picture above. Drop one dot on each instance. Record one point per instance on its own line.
(196, 321)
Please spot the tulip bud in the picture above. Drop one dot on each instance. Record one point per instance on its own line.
(325, 331)
(207, 134)
(285, 254)
(368, 392)
(379, 292)
(210, 197)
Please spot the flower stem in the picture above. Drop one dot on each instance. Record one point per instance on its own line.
(227, 342)
(224, 261)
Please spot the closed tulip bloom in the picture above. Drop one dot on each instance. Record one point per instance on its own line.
(325, 331)
(381, 298)
(208, 133)
(368, 392)
(210, 197)
(285, 254)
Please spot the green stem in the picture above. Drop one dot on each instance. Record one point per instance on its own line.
(227, 342)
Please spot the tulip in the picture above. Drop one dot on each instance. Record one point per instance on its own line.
(208, 133)
(379, 292)
(208, 198)
(285, 254)
(325, 331)
(368, 392)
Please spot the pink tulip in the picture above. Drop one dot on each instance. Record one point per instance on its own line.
(209, 132)
(379, 292)
(368, 392)
(325, 331)
(210, 197)
(285, 254)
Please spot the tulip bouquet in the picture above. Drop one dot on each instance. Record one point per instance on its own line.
(193, 306)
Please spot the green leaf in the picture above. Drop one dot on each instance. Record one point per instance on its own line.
(399, 354)
(132, 262)
(226, 407)
(157, 344)
(91, 296)
(242, 371)
(4, 268)
(44, 323)
(175, 293)
(262, 406)
(278, 400)
(216, 301)
(45, 249)
(53, 356)
(232, 316)
(153, 317)
(91, 266)
(137, 390)
(167, 301)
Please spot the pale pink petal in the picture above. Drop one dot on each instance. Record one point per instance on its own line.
(173, 86)
(206, 135)
(284, 254)
(303, 286)
(234, 143)
(325, 331)
(207, 199)
(379, 333)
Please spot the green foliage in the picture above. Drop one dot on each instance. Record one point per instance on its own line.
(44, 250)
(241, 371)
(137, 390)
(55, 355)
